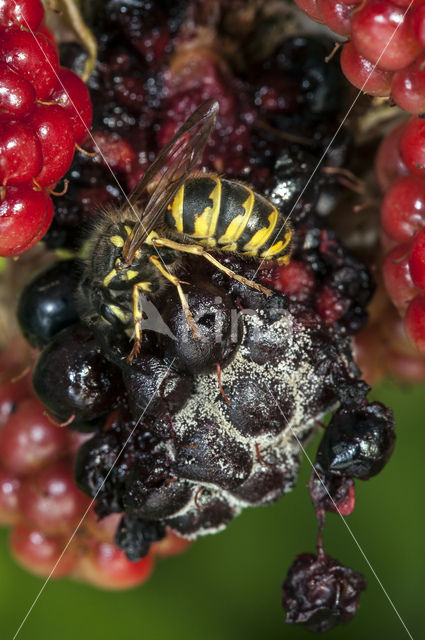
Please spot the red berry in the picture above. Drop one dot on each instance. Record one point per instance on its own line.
(24, 13)
(51, 501)
(33, 56)
(412, 146)
(408, 87)
(417, 260)
(17, 95)
(171, 545)
(296, 280)
(10, 394)
(116, 151)
(381, 34)
(389, 164)
(39, 553)
(415, 322)
(330, 306)
(403, 208)
(417, 22)
(20, 153)
(25, 215)
(311, 9)
(102, 529)
(362, 73)
(74, 97)
(9, 487)
(55, 133)
(336, 15)
(106, 566)
(398, 280)
(29, 441)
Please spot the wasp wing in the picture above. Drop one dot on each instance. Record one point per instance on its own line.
(169, 170)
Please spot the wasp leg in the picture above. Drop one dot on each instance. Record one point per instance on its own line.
(138, 317)
(198, 250)
(177, 283)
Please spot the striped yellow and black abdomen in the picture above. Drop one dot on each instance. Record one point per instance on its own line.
(222, 213)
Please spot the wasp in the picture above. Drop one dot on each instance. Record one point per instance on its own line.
(137, 248)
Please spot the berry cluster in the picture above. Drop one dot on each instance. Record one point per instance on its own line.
(400, 174)
(193, 431)
(385, 53)
(41, 503)
(45, 111)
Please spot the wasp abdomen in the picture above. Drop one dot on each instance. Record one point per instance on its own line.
(230, 216)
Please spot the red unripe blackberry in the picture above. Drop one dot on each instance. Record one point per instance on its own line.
(107, 567)
(51, 501)
(389, 164)
(417, 21)
(311, 9)
(9, 488)
(38, 552)
(408, 87)
(417, 260)
(403, 208)
(336, 15)
(73, 96)
(20, 153)
(25, 215)
(33, 56)
(17, 94)
(29, 441)
(10, 394)
(55, 132)
(412, 146)
(362, 73)
(415, 322)
(381, 34)
(27, 14)
(397, 277)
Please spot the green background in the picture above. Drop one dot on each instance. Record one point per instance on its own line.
(228, 585)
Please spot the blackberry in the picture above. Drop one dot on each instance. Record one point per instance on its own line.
(357, 443)
(135, 536)
(73, 378)
(46, 304)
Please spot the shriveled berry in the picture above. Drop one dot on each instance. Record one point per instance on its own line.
(357, 443)
(219, 330)
(331, 493)
(320, 593)
(135, 536)
(153, 386)
(33, 56)
(46, 304)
